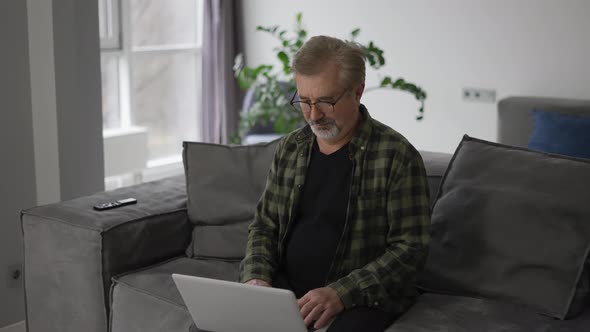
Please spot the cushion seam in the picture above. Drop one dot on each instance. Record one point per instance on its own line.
(574, 289)
(159, 297)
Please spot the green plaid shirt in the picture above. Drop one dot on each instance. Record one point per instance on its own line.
(386, 231)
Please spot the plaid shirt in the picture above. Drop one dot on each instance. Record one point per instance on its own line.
(386, 231)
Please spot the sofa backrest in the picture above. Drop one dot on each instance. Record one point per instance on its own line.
(436, 164)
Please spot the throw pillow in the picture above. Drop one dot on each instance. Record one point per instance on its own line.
(224, 184)
(511, 224)
(560, 133)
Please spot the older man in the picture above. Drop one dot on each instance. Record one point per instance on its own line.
(344, 219)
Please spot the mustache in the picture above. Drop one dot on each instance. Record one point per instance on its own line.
(321, 122)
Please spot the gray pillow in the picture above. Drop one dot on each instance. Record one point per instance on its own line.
(224, 184)
(511, 224)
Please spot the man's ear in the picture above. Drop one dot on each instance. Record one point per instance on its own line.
(358, 92)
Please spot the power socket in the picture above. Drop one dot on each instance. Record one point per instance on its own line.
(14, 276)
(479, 95)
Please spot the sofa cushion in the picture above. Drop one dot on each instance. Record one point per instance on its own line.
(437, 312)
(148, 300)
(224, 184)
(561, 133)
(511, 224)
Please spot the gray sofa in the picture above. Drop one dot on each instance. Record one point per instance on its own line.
(111, 271)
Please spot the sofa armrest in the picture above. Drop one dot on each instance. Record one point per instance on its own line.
(72, 251)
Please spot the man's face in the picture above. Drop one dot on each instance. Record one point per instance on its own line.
(326, 87)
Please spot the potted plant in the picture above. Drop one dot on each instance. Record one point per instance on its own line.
(272, 87)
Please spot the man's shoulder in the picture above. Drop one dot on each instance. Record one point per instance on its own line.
(298, 136)
(388, 140)
(289, 142)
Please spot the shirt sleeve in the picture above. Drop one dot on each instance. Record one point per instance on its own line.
(393, 273)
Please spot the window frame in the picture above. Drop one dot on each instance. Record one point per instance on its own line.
(110, 10)
(120, 46)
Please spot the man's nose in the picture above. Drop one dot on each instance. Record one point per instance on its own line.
(315, 113)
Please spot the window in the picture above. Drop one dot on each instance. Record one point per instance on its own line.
(150, 66)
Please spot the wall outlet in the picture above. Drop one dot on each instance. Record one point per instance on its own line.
(479, 95)
(14, 276)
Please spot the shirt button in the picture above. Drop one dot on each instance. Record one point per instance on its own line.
(301, 154)
(362, 147)
(354, 305)
(299, 186)
(376, 304)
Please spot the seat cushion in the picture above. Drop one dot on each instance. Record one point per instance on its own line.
(434, 312)
(148, 300)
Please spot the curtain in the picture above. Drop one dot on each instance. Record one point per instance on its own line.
(220, 96)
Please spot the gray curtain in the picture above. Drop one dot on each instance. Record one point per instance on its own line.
(220, 95)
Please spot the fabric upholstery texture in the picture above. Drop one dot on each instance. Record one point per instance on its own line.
(224, 184)
(561, 133)
(148, 300)
(445, 313)
(436, 164)
(499, 224)
(72, 251)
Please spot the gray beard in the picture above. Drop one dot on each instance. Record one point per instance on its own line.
(331, 132)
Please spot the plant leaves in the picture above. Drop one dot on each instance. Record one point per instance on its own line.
(272, 95)
(283, 57)
(385, 81)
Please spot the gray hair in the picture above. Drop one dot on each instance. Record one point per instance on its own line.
(319, 51)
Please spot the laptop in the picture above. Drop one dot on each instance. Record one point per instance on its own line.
(224, 306)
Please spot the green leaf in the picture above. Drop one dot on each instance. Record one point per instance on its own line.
(298, 17)
(398, 83)
(355, 33)
(385, 81)
(284, 58)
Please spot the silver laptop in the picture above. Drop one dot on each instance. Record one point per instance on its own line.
(224, 306)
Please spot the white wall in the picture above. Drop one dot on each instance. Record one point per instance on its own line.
(516, 47)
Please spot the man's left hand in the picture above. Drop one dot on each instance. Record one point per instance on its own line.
(320, 305)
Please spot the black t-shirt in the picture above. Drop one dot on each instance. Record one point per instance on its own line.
(318, 225)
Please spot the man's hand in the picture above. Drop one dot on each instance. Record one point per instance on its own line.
(258, 282)
(320, 305)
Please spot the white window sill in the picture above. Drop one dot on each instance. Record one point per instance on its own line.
(156, 170)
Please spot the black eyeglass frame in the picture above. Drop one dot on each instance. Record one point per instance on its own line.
(333, 103)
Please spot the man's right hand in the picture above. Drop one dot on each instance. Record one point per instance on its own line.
(258, 282)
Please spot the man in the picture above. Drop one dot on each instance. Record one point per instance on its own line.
(344, 219)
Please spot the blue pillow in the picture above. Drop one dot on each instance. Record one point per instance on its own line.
(561, 133)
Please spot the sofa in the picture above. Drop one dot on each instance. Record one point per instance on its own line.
(92, 271)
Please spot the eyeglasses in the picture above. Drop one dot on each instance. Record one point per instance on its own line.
(320, 106)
